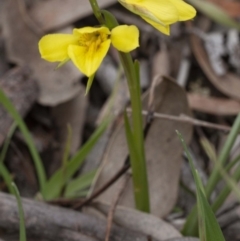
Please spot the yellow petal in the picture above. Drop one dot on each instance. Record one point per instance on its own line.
(160, 11)
(125, 38)
(87, 60)
(185, 11)
(84, 30)
(164, 29)
(54, 47)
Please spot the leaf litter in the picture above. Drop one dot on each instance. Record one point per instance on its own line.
(61, 100)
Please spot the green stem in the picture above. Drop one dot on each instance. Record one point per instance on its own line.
(22, 226)
(97, 11)
(139, 170)
(138, 161)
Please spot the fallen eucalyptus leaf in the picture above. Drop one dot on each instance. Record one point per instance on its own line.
(163, 163)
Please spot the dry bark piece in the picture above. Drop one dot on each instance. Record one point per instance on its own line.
(228, 84)
(162, 163)
(46, 222)
(53, 14)
(140, 222)
(213, 105)
(20, 86)
(56, 86)
(161, 63)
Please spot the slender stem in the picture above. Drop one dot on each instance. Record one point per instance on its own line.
(96, 11)
(139, 170)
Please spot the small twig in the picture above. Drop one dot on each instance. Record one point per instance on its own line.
(124, 168)
(187, 119)
(113, 207)
(27, 20)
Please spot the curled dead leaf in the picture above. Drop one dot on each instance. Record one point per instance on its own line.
(228, 84)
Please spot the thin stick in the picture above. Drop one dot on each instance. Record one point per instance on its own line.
(187, 119)
(113, 207)
(105, 186)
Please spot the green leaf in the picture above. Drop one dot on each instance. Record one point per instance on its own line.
(54, 186)
(7, 142)
(215, 13)
(62, 63)
(209, 228)
(142, 202)
(21, 213)
(110, 20)
(89, 83)
(213, 157)
(190, 227)
(27, 136)
(77, 185)
(6, 175)
(67, 145)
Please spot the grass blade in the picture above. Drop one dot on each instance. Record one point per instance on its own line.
(6, 175)
(138, 181)
(29, 141)
(21, 213)
(209, 228)
(79, 184)
(54, 186)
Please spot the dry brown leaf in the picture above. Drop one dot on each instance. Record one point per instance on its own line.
(161, 62)
(53, 14)
(140, 222)
(162, 162)
(22, 48)
(228, 84)
(213, 105)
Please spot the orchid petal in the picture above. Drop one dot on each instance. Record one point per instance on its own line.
(185, 11)
(125, 38)
(162, 28)
(54, 47)
(160, 11)
(84, 30)
(88, 60)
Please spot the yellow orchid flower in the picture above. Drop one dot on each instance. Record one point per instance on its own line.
(87, 46)
(160, 13)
